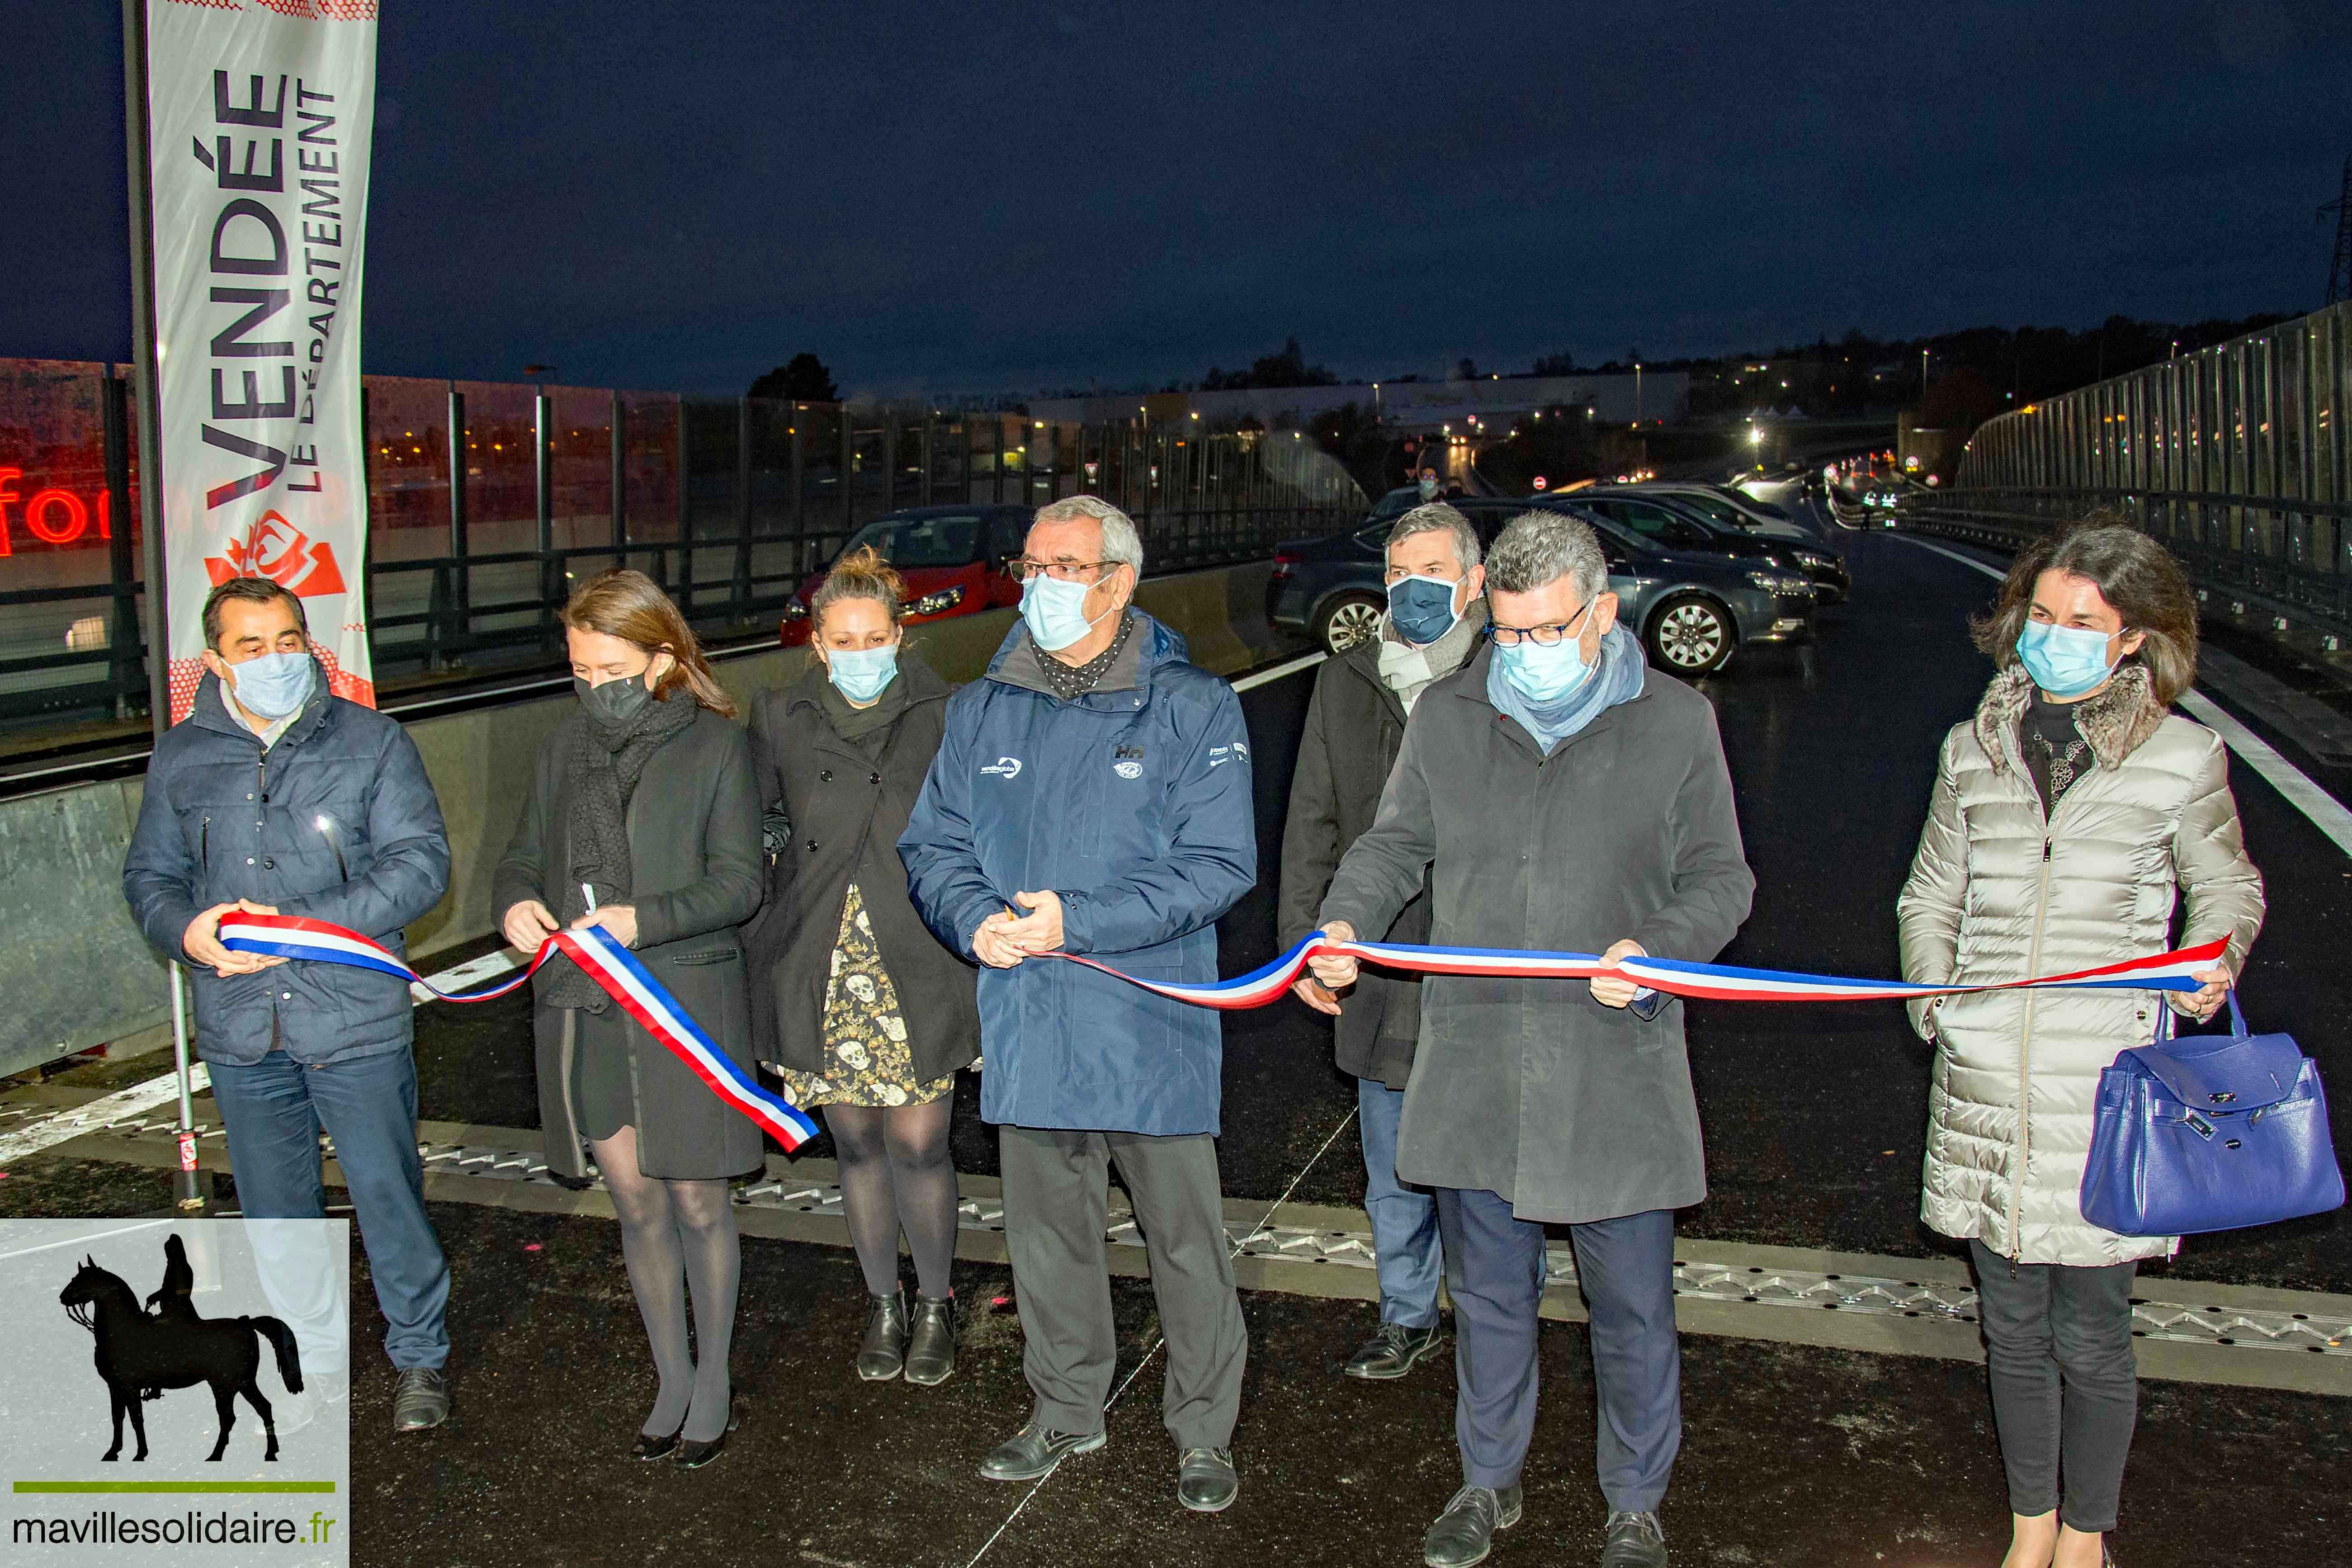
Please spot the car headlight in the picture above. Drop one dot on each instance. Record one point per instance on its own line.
(936, 604)
(794, 610)
(1773, 582)
(1816, 561)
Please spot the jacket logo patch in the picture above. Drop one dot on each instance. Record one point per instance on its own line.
(1220, 755)
(1006, 767)
(1128, 769)
(1128, 752)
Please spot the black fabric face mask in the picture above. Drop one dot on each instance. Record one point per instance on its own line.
(616, 702)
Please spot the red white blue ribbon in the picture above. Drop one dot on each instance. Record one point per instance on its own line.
(594, 950)
(1714, 982)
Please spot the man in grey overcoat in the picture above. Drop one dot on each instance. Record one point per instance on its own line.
(1560, 796)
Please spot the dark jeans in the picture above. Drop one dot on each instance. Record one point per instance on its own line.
(2065, 1386)
(1494, 1271)
(273, 1110)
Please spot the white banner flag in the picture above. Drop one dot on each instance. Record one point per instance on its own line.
(259, 118)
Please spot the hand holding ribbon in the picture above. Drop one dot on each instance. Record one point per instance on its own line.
(595, 949)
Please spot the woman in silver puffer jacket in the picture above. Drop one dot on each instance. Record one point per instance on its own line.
(2066, 815)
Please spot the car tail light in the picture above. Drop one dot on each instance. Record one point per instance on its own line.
(1284, 565)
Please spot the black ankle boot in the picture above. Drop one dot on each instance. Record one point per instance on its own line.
(931, 1343)
(883, 1352)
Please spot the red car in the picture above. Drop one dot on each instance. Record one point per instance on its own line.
(952, 558)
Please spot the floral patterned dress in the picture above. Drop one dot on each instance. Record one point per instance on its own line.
(867, 1059)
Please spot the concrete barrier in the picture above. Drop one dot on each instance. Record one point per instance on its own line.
(77, 972)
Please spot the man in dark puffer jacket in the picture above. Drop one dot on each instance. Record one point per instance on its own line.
(276, 795)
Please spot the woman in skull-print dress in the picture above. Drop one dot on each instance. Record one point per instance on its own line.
(856, 1008)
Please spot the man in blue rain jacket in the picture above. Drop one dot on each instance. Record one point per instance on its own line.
(1092, 795)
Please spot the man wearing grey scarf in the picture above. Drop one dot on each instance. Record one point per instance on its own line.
(1355, 724)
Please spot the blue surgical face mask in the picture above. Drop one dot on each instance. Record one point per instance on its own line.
(2064, 661)
(274, 685)
(1428, 487)
(861, 673)
(1543, 674)
(1056, 611)
(1421, 608)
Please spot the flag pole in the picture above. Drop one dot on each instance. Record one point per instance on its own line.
(188, 1189)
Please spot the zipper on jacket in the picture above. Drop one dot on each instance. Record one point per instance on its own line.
(2025, 1063)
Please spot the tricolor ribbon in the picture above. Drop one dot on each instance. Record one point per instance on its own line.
(1715, 982)
(594, 950)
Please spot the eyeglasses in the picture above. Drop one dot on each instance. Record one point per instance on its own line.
(1021, 569)
(1549, 635)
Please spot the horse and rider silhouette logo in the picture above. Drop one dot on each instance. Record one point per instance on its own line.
(141, 1354)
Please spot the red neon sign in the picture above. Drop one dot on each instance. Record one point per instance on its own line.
(52, 516)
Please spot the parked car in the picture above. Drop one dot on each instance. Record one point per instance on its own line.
(1665, 514)
(1736, 506)
(1693, 607)
(952, 558)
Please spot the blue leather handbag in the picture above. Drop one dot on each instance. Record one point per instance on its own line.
(2210, 1132)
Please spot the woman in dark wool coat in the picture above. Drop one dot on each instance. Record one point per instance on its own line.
(643, 818)
(856, 1007)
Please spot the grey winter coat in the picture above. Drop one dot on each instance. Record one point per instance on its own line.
(1997, 892)
(336, 821)
(1530, 1088)
(696, 867)
(848, 802)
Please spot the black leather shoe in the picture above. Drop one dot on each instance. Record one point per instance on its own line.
(1634, 1541)
(649, 1447)
(1206, 1481)
(931, 1342)
(420, 1399)
(1393, 1351)
(1464, 1532)
(692, 1454)
(1034, 1451)
(882, 1350)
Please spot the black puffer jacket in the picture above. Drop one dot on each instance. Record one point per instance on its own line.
(336, 822)
(847, 802)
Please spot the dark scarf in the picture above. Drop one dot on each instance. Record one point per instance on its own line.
(856, 725)
(600, 776)
(1072, 681)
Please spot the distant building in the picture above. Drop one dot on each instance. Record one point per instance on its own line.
(1412, 406)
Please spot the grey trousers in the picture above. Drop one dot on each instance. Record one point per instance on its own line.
(1494, 1271)
(2065, 1383)
(1057, 1191)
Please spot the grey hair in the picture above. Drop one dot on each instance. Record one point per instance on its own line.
(1539, 547)
(1121, 542)
(1436, 517)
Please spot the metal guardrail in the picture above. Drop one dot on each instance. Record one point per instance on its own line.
(2280, 560)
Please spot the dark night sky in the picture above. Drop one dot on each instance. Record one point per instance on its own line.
(675, 192)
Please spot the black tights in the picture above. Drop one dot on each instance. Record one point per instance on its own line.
(895, 1173)
(674, 1233)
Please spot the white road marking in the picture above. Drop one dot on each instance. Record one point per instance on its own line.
(1304, 661)
(2324, 810)
(89, 1118)
(473, 971)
